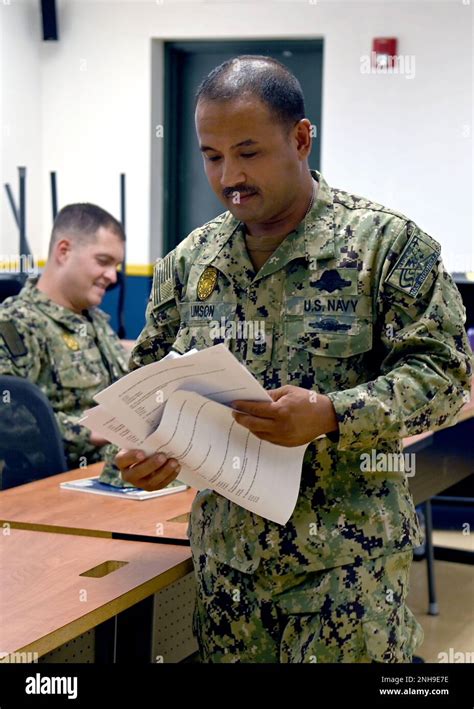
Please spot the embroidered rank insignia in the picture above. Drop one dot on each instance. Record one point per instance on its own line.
(330, 281)
(415, 263)
(207, 283)
(71, 342)
(163, 279)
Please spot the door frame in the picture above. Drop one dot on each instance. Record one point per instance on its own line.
(173, 52)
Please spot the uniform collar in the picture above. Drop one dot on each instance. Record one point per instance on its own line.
(316, 241)
(65, 316)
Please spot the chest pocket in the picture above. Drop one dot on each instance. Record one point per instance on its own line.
(193, 335)
(328, 353)
(341, 336)
(82, 369)
(252, 347)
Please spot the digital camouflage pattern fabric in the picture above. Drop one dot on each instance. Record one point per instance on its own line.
(356, 304)
(69, 356)
(354, 613)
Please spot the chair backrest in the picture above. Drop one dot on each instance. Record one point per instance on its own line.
(10, 285)
(31, 447)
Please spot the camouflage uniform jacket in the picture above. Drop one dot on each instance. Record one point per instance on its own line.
(356, 305)
(69, 356)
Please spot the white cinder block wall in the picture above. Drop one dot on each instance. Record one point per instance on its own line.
(20, 120)
(82, 105)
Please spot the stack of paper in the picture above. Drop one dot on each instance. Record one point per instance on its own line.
(180, 406)
(96, 487)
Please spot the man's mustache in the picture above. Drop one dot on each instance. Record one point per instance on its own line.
(231, 192)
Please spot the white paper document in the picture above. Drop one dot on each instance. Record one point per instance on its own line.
(181, 406)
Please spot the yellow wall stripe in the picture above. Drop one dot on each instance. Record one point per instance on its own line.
(139, 270)
(133, 269)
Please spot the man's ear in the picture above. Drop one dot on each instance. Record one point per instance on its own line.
(302, 135)
(62, 250)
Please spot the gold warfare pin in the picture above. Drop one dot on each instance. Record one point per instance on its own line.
(207, 283)
(71, 342)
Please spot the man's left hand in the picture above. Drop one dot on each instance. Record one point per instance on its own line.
(295, 416)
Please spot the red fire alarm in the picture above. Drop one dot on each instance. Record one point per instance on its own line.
(384, 49)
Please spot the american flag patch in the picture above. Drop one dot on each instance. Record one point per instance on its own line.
(163, 279)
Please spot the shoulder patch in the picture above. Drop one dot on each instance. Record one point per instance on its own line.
(415, 262)
(163, 279)
(12, 339)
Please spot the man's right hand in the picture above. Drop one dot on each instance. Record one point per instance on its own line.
(151, 473)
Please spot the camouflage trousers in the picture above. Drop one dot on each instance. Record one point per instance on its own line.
(353, 613)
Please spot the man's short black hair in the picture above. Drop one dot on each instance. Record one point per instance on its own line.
(81, 221)
(256, 75)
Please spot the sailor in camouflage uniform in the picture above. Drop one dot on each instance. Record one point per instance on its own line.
(358, 309)
(69, 351)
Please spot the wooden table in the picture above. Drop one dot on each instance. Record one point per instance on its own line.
(45, 598)
(44, 506)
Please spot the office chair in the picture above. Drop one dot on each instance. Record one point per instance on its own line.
(10, 285)
(31, 447)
